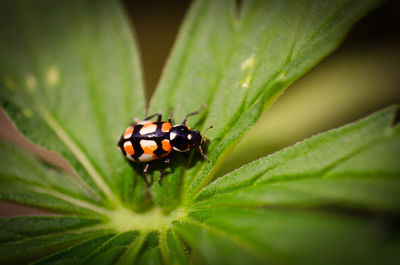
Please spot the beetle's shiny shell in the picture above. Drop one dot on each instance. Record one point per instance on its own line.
(146, 141)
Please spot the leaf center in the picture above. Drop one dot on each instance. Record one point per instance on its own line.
(123, 219)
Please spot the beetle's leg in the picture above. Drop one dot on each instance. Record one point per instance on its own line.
(135, 121)
(157, 114)
(170, 119)
(166, 163)
(184, 122)
(201, 152)
(193, 113)
(145, 170)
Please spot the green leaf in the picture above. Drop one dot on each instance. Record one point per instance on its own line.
(27, 238)
(173, 250)
(130, 255)
(300, 205)
(101, 250)
(342, 88)
(238, 59)
(279, 236)
(211, 247)
(149, 252)
(25, 179)
(76, 254)
(71, 82)
(354, 165)
(112, 249)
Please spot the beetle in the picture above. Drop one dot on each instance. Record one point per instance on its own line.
(149, 140)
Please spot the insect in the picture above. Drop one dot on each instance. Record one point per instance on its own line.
(149, 140)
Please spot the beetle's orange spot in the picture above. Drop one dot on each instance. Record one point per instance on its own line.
(148, 146)
(166, 145)
(128, 132)
(128, 147)
(166, 127)
(147, 128)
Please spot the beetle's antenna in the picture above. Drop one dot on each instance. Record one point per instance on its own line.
(204, 139)
(203, 134)
(208, 129)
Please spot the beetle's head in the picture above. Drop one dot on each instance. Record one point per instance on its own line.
(182, 139)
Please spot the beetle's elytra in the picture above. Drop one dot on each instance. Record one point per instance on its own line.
(149, 140)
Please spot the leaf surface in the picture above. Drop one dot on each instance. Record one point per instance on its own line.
(237, 58)
(28, 238)
(100, 250)
(356, 164)
(330, 199)
(111, 250)
(25, 179)
(282, 236)
(71, 83)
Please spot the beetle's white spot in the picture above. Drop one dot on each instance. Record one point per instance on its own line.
(146, 158)
(147, 143)
(52, 76)
(130, 158)
(247, 81)
(27, 113)
(127, 143)
(146, 129)
(172, 136)
(30, 82)
(248, 63)
(189, 137)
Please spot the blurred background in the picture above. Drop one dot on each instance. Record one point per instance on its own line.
(359, 78)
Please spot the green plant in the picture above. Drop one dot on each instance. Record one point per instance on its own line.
(71, 82)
